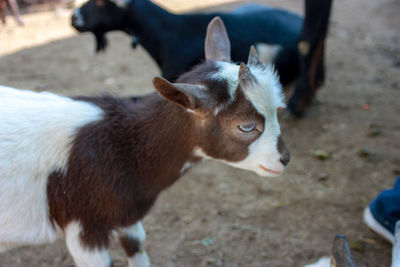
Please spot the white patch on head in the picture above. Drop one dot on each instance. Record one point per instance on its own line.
(266, 96)
(267, 52)
(229, 72)
(36, 134)
(82, 255)
(79, 21)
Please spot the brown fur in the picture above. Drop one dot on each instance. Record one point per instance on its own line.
(130, 245)
(124, 161)
(120, 165)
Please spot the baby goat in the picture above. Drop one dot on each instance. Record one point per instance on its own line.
(92, 167)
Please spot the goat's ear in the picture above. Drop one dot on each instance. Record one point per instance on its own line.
(253, 57)
(189, 96)
(217, 45)
(246, 78)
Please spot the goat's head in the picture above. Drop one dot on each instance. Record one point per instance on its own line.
(234, 107)
(99, 17)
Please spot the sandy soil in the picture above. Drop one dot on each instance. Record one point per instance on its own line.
(219, 216)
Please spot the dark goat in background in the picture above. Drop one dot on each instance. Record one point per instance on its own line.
(175, 41)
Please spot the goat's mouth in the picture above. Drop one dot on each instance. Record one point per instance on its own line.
(269, 170)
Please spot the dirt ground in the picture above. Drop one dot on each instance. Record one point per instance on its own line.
(220, 216)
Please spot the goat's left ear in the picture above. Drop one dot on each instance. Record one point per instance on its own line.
(189, 96)
(217, 45)
(253, 57)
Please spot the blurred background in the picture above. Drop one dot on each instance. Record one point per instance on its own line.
(344, 151)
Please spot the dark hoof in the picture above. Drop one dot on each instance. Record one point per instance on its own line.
(296, 107)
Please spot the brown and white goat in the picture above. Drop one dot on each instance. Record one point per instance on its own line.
(92, 167)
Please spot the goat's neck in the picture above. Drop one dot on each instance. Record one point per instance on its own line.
(166, 136)
(151, 24)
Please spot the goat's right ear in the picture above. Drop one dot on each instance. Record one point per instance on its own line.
(217, 45)
(189, 96)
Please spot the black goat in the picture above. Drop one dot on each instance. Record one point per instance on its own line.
(175, 41)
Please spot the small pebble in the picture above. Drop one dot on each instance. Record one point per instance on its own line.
(321, 154)
(374, 130)
(365, 152)
(323, 176)
(357, 246)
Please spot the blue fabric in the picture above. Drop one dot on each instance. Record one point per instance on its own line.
(386, 207)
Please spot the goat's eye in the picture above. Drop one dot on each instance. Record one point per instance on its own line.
(247, 127)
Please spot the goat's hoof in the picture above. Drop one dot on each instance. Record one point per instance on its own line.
(296, 109)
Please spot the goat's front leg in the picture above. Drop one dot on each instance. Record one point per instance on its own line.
(132, 239)
(83, 255)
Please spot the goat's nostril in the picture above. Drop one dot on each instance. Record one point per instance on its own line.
(285, 160)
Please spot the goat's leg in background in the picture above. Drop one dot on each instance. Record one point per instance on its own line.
(311, 46)
(132, 239)
(3, 11)
(15, 10)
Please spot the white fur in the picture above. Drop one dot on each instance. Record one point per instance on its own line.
(396, 246)
(372, 223)
(322, 262)
(35, 139)
(135, 231)
(266, 96)
(186, 167)
(82, 256)
(140, 259)
(230, 73)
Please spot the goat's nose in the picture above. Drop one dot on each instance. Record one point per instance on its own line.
(285, 154)
(285, 159)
